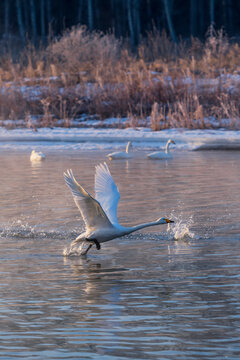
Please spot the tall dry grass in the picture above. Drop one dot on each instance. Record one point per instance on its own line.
(163, 85)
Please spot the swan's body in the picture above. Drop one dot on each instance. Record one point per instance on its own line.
(100, 214)
(121, 154)
(162, 154)
(37, 156)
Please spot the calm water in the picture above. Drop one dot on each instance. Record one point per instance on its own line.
(157, 294)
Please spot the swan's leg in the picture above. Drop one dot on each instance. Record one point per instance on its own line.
(98, 246)
(88, 248)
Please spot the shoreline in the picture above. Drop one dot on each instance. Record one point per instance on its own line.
(141, 138)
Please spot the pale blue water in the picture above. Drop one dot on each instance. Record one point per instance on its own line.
(146, 296)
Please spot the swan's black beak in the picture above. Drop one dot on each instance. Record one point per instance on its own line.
(169, 221)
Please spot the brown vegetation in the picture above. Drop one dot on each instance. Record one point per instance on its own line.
(172, 85)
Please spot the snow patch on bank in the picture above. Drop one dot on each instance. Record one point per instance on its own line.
(141, 138)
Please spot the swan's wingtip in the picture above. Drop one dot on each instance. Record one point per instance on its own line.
(102, 166)
(68, 173)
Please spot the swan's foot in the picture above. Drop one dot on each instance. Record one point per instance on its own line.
(75, 248)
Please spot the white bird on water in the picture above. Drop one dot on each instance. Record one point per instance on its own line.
(37, 156)
(121, 154)
(100, 214)
(162, 154)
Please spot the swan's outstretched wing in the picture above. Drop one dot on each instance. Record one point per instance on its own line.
(90, 209)
(106, 192)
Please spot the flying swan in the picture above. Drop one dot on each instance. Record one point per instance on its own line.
(121, 154)
(100, 214)
(162, 154)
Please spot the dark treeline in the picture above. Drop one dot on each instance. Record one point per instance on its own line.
(37, 19)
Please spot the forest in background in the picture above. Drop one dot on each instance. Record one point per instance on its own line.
(38, 19)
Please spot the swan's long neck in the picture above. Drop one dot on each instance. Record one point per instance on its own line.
(131, 229)
(127, 148)
(167, 147)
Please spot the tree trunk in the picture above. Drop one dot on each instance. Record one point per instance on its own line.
(130, 23)
(90, 14)
(224, 13)
(137, 24)
(212, 12)
(42, 12)
(169, 20)
(230, 16)
(201, 17)
(6, 18)
(20, 20)
(26, 14)
(98, 16)
(193, 17)
(122, 14)
(80, 10)
(33, 19)
(49, 14)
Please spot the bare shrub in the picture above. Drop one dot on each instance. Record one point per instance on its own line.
(12, 105)
(79, 50)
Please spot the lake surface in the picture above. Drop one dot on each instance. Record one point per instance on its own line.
(162, 293)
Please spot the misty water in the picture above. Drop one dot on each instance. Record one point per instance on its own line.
(169, 292)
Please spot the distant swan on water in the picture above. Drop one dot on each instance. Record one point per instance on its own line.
(162, 154)
(121, 154)
(37, 156)
(100, 214)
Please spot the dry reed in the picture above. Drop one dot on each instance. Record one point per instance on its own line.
(192, 85)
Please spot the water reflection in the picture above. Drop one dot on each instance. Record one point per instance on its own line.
(36, 167)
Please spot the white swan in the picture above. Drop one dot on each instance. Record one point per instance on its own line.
(100, 214)
(162, 154)
(37, 156)
(121, 154)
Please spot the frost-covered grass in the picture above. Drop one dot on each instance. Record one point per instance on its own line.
(83, 76)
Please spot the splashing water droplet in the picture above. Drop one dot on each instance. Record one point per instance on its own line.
(180, 230)
(73, 251)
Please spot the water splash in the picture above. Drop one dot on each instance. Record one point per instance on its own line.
(21, 229)
(180, 230)
(73, 251)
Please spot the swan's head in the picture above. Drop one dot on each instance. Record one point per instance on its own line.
(170, 141)
(164, 221)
